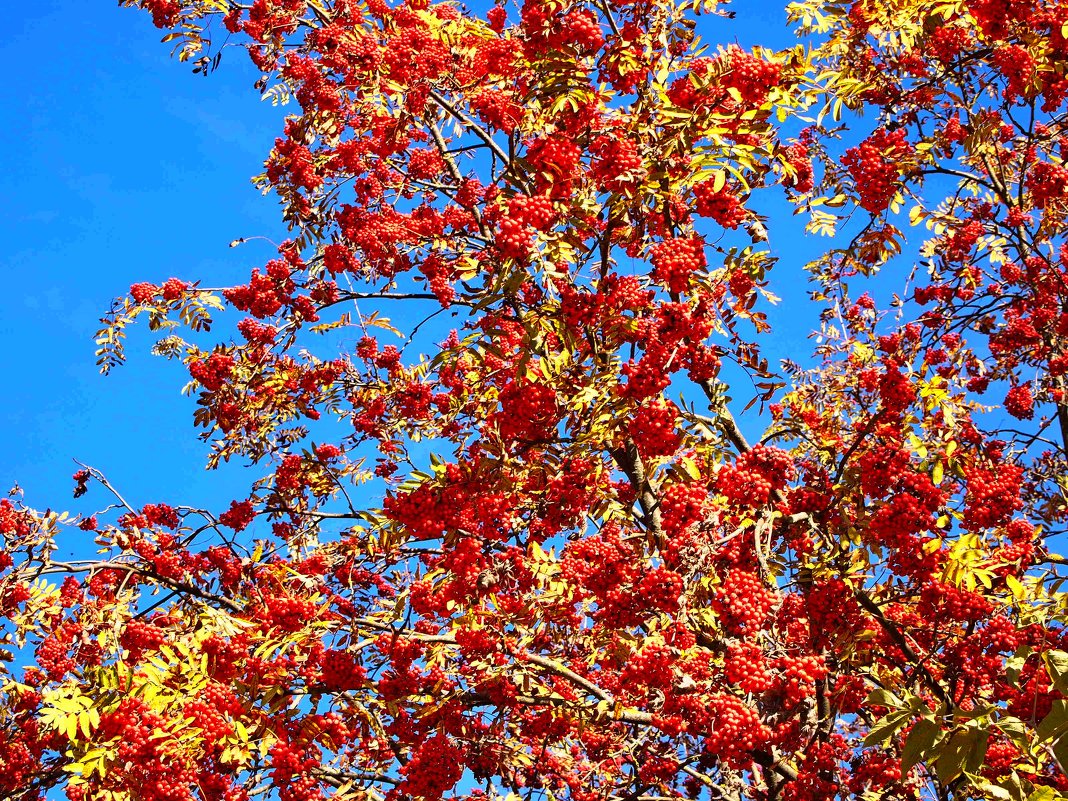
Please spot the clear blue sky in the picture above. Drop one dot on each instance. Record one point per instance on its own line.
(122, 166)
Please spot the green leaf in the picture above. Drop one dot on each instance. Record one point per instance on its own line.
(951, 761)
(886, 727)
(1060, 752)
(1057, 665)
(1015, 730)
(1055, 723)
(885, 698)
(919, 743)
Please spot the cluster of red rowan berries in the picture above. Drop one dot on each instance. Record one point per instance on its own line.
(724, 206)
(497, 109)
(992, 496)
(514, 239)
(583, 30)
(1020, 403)
(797, 677)
(683, 505)
(736, 730)
(650, 667)
(755, 476)
(238, 516)
(744, 602)
(537, 211)
(746, 667)
(1047, 183)
(875, 165)
(140, 636)
(803, 178)
(556, 161)
(434, 768)
(213, 371)
(659, 590)
(52, 655)
(287, 612)
(751, 75)
(290, 759)
(617, 163)
(145, 293)
(652, 428)
(264, 294)
(339, 671)
(1017, 65)
(675, 260)
(529, 411)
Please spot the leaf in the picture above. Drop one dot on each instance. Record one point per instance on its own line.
(1060, 752)
(882, 697)
(951, 761)
(1057, 665)
(919, 743)
(885, 728)
(1055, 723)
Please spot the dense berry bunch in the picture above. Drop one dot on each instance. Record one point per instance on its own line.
(675, 260)
(724, 206)
(1048, 184)
(340, 671)
(238, 516)
(746, 667)
(1020, 403)
(434, 769)
(755, 476)
(653, 428)
(993, 495)
(876, 164)
(683, 505)
(140, 637)
(744, 601)
(738, 731)
(750, 75)
(213, 371)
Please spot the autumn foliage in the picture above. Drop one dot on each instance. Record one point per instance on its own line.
(503, 537)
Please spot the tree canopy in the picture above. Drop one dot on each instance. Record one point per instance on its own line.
(504, 536)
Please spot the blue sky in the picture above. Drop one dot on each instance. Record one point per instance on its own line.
(122, 166)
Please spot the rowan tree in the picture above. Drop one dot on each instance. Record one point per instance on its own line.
(537, 557)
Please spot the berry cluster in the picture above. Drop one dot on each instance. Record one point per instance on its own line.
(140, 637)
(797, 677)
(724, 206)
(264, 294)
(434, 768)
(498, 110)
(802, 176)
(1048, 184)
(737, 731)
(339, 671)
(744, 601)
(213, 371)
(746, 667)
(288, 613)
(751, 76)
(992, 496)
(1017, 66)
(674, 260)
(653, 428)
(755, 476)
(875, 165)
(1020, 403)
(238, 516)
(617, 163)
